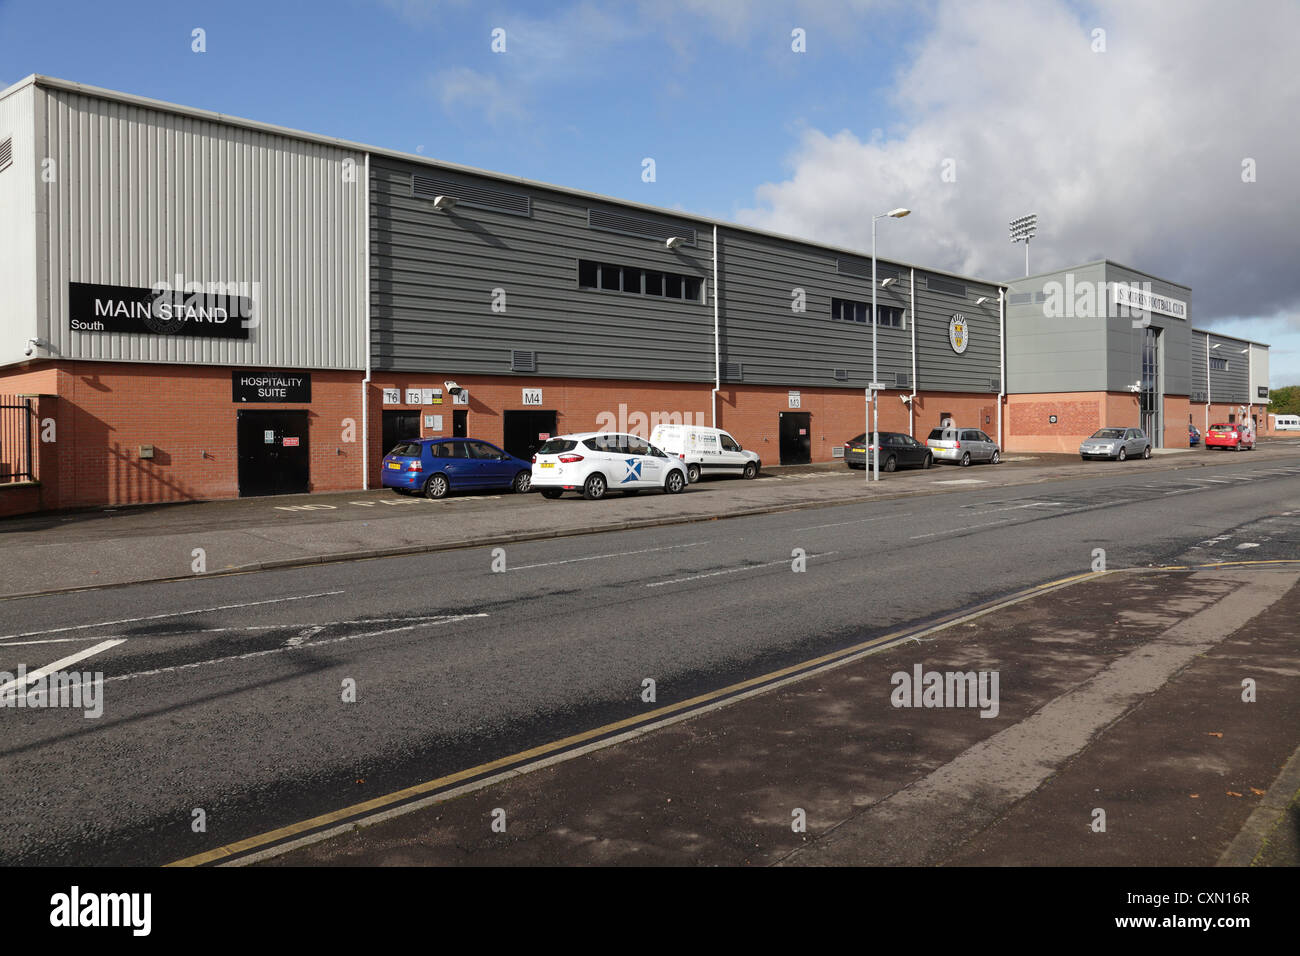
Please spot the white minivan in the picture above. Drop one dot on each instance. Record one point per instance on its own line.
(706, 451)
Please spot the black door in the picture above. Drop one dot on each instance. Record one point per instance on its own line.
(273, 455)
(460, 423)
(524, 431)
(399, 426)
(796, 438)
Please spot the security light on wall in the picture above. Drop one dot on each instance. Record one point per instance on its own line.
(981, 300)
(444, 202)
(674, 241)
(1216, 346)
(888, 282)
(33, 345)
(452, 388)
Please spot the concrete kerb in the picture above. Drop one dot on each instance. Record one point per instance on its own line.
(1250, 841)
(493, 540)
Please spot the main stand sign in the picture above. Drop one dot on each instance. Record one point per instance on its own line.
(270, 386)
(116, 308)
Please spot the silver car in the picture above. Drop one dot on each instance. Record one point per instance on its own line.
(962, 446)
(1116, 443)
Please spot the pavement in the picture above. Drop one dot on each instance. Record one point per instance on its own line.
(1120, 738)
(110, 546)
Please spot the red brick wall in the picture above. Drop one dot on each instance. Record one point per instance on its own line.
(106, 411)
(1078, 415)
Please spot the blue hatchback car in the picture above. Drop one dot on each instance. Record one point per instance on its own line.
(435, 467)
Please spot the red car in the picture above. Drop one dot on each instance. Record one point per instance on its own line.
(1226, 435)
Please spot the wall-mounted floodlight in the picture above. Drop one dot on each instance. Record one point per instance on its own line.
(981, 300)
(888, 282)
(1216, 345)
(452, 388)
(33, 345)
(444, 202)
(674, 241)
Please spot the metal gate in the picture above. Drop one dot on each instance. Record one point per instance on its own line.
(17, 420)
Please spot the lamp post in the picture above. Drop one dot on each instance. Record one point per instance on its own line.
(874, 389)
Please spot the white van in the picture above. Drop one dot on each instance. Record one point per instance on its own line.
(706, 451)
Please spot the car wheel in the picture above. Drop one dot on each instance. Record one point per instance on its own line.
(523, 483)
(674, 483)
(1083, 458)
(436, 487)
(1123, 455)
(965, 459)
(692, 473)
(594, 488)
(929, 461)
(891, 463)
(551, 492)
(996, 457)
(1146, 452)
(1237, 447)
(751, 470)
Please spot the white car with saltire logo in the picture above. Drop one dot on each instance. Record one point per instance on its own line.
(596, 463)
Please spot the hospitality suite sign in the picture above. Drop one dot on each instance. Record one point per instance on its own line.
(162, 310)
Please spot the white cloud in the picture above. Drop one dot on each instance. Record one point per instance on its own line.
(464, 89)
(1134, 154)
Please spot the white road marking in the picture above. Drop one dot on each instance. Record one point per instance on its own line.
(597, 557)
(748, 567)
(448, 619)
(1236, 477)
(1245, 545)
(962, 528)
(836, 524)
(1031, 504)
(960, 481)
(158, 617)
(305, 633)
(40, 672)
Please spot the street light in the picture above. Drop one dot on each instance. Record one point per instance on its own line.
(874, 474)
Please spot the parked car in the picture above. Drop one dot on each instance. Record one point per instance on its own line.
(1116, 443)
(897, 450)
(1193, 436)
(595, 462)
(962, 446)
(435, 467)
(1229, 435)
(706, 451)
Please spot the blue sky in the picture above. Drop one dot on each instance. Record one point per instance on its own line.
(1131, 151)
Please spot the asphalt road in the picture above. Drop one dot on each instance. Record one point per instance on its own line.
(225, 694)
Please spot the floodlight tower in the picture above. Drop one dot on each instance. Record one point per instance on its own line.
(1022, 230)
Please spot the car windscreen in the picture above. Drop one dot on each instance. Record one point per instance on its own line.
(406, 449)
(858, 441)
(1109, 433)
(554, 446)
(1223, 425)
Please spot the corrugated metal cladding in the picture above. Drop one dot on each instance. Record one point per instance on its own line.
(18, 227)
(938, 366)
(1049, 352)
(143, 195)
(1124, 340)
(461, 291)
(1226, 385)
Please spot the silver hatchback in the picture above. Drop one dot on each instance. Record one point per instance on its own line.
(1116, 443)
(962, 446)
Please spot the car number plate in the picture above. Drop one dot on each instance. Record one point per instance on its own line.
(547, 464)
(395, 466)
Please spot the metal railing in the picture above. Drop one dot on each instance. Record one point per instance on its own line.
(17, 416)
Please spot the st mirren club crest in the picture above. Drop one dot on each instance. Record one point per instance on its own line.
(958, 333)
(162, 318)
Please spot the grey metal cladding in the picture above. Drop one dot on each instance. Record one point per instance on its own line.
(861, 268)
(640, 225)
(779, 346)
(430, 185)
(1124, 339)
(938, 366)
(1051, 352)
(1198, 364)
(433, 276)
(1233, 384)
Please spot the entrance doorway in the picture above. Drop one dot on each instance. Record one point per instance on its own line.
(460, 423)
(1149, 398)
(796, 438)
(273, 453)
(524, 431)
(399, 426)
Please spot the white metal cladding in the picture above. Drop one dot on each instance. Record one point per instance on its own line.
(143, 195)
(17, 228)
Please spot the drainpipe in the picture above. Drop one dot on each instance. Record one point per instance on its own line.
(1002, 361)
(717, 343)
(365, 382)
(911, 405)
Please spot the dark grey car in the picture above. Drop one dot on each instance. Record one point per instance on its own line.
(1116, 443)
(897, 450)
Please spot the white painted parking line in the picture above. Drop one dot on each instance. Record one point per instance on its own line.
(158, 617)
(61, 663)
(748, 567)
(836, 524)
(597, 557)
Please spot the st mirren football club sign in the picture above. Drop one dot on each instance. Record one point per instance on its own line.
(119, 308)
(958, 333)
